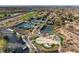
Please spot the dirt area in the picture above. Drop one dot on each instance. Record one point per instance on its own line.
(71, 40)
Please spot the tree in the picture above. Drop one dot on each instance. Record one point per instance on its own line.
(5, 15)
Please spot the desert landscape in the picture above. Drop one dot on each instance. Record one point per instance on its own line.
(39, 29)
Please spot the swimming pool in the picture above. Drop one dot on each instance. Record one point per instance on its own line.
(47, 29)
(25, 25)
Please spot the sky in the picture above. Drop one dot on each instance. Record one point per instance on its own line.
(39, 2)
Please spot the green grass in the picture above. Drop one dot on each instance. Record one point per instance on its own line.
(62, 40)
(2, 15)
(27, 16)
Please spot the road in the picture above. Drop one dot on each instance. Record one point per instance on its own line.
(27, 44)
(28, 38)
(14, 15)
(11, 21)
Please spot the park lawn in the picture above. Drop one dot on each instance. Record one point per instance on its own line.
(27, 16)
(1, 15)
